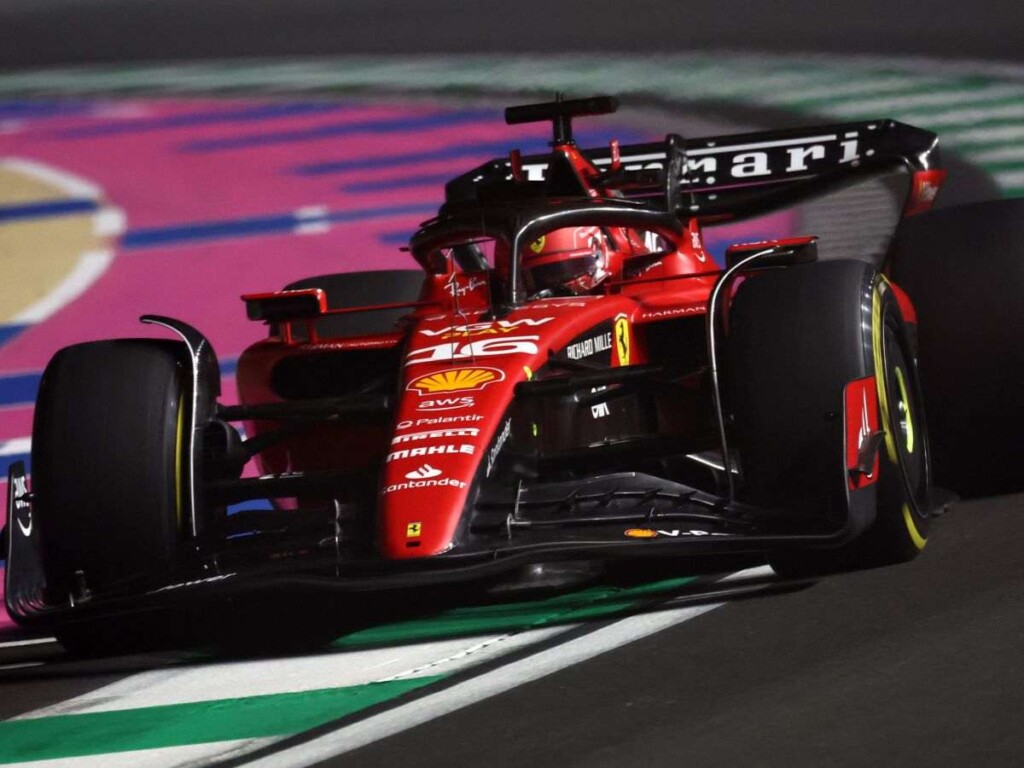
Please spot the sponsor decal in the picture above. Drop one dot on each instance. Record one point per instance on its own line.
(413, 530)
(640, 533)
(446, 404)
(497, 328)
(19, 488)
(412, 437)
(707, 165)
(588, 347)
(423, 473)
(622, 339)
(432, 450)
(672, 533)
(431, 481)
(499, 443)
(458, 291)
(557, 302)
(509, 345)
(433, 421)
(455, 380)
(599, 411)
(662, 314)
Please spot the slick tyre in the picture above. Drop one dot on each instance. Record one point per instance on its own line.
(963, 268)
(363, 289)
(797, 337)
(108, 447)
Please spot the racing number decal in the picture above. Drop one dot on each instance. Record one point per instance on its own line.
(623, 341)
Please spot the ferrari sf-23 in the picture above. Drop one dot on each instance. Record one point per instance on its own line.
(566, 375)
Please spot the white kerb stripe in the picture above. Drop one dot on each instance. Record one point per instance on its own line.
(526, 670)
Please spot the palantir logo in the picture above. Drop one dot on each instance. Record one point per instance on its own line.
(422, 473)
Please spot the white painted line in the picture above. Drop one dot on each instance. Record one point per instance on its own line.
(74, 186)
(337, 669)
(995, 133)
(15, 447)
(966, 116)
(109, 222)
(1007, 154)
(505, 678)
(90, 266)
(943, 98)
(1010, 179)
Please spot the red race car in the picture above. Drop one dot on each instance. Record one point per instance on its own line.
(567, 375)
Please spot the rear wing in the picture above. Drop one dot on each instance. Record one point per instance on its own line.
(720, 178)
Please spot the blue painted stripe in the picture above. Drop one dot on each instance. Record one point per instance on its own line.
(315, 133)
(257, 225)
(8, 332)
(6, 461)
(21, 389)
(482, 150)
(395, 238)
(44, 209)
(402, 182)
(31, 109)
(193, 119)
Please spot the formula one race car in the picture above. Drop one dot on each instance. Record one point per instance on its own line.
(567, 376)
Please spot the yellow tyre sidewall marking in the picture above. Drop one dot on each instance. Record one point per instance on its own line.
(915, 534)
(881, 287)
(902, 384)
(876, 344)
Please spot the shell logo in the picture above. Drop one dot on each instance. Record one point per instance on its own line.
(640, 533)
(455, 380)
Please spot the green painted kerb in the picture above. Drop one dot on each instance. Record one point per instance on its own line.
(587, 604)
(254, 717)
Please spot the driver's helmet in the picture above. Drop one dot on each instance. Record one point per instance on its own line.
(570, 261)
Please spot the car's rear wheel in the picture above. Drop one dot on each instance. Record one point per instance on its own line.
(797, 337)
(963, 268)
(109, 447)
(364, 289)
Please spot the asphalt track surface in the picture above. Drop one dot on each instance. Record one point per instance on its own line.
(913, 665)
(909, 665)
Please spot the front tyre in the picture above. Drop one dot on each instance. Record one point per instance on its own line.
(109, 453)
(798, 337)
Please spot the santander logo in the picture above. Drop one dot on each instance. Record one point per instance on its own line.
(422, 473)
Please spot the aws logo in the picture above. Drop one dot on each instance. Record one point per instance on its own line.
(56, 234)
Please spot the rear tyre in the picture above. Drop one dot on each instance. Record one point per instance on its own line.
(797, 337)
(963, 268)
(364, 289)
(108, 450)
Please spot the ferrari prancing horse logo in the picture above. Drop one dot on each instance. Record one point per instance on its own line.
(622, 340)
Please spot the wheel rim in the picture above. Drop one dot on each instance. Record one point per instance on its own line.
(906, 421)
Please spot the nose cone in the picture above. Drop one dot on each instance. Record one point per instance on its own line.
(446, 420)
